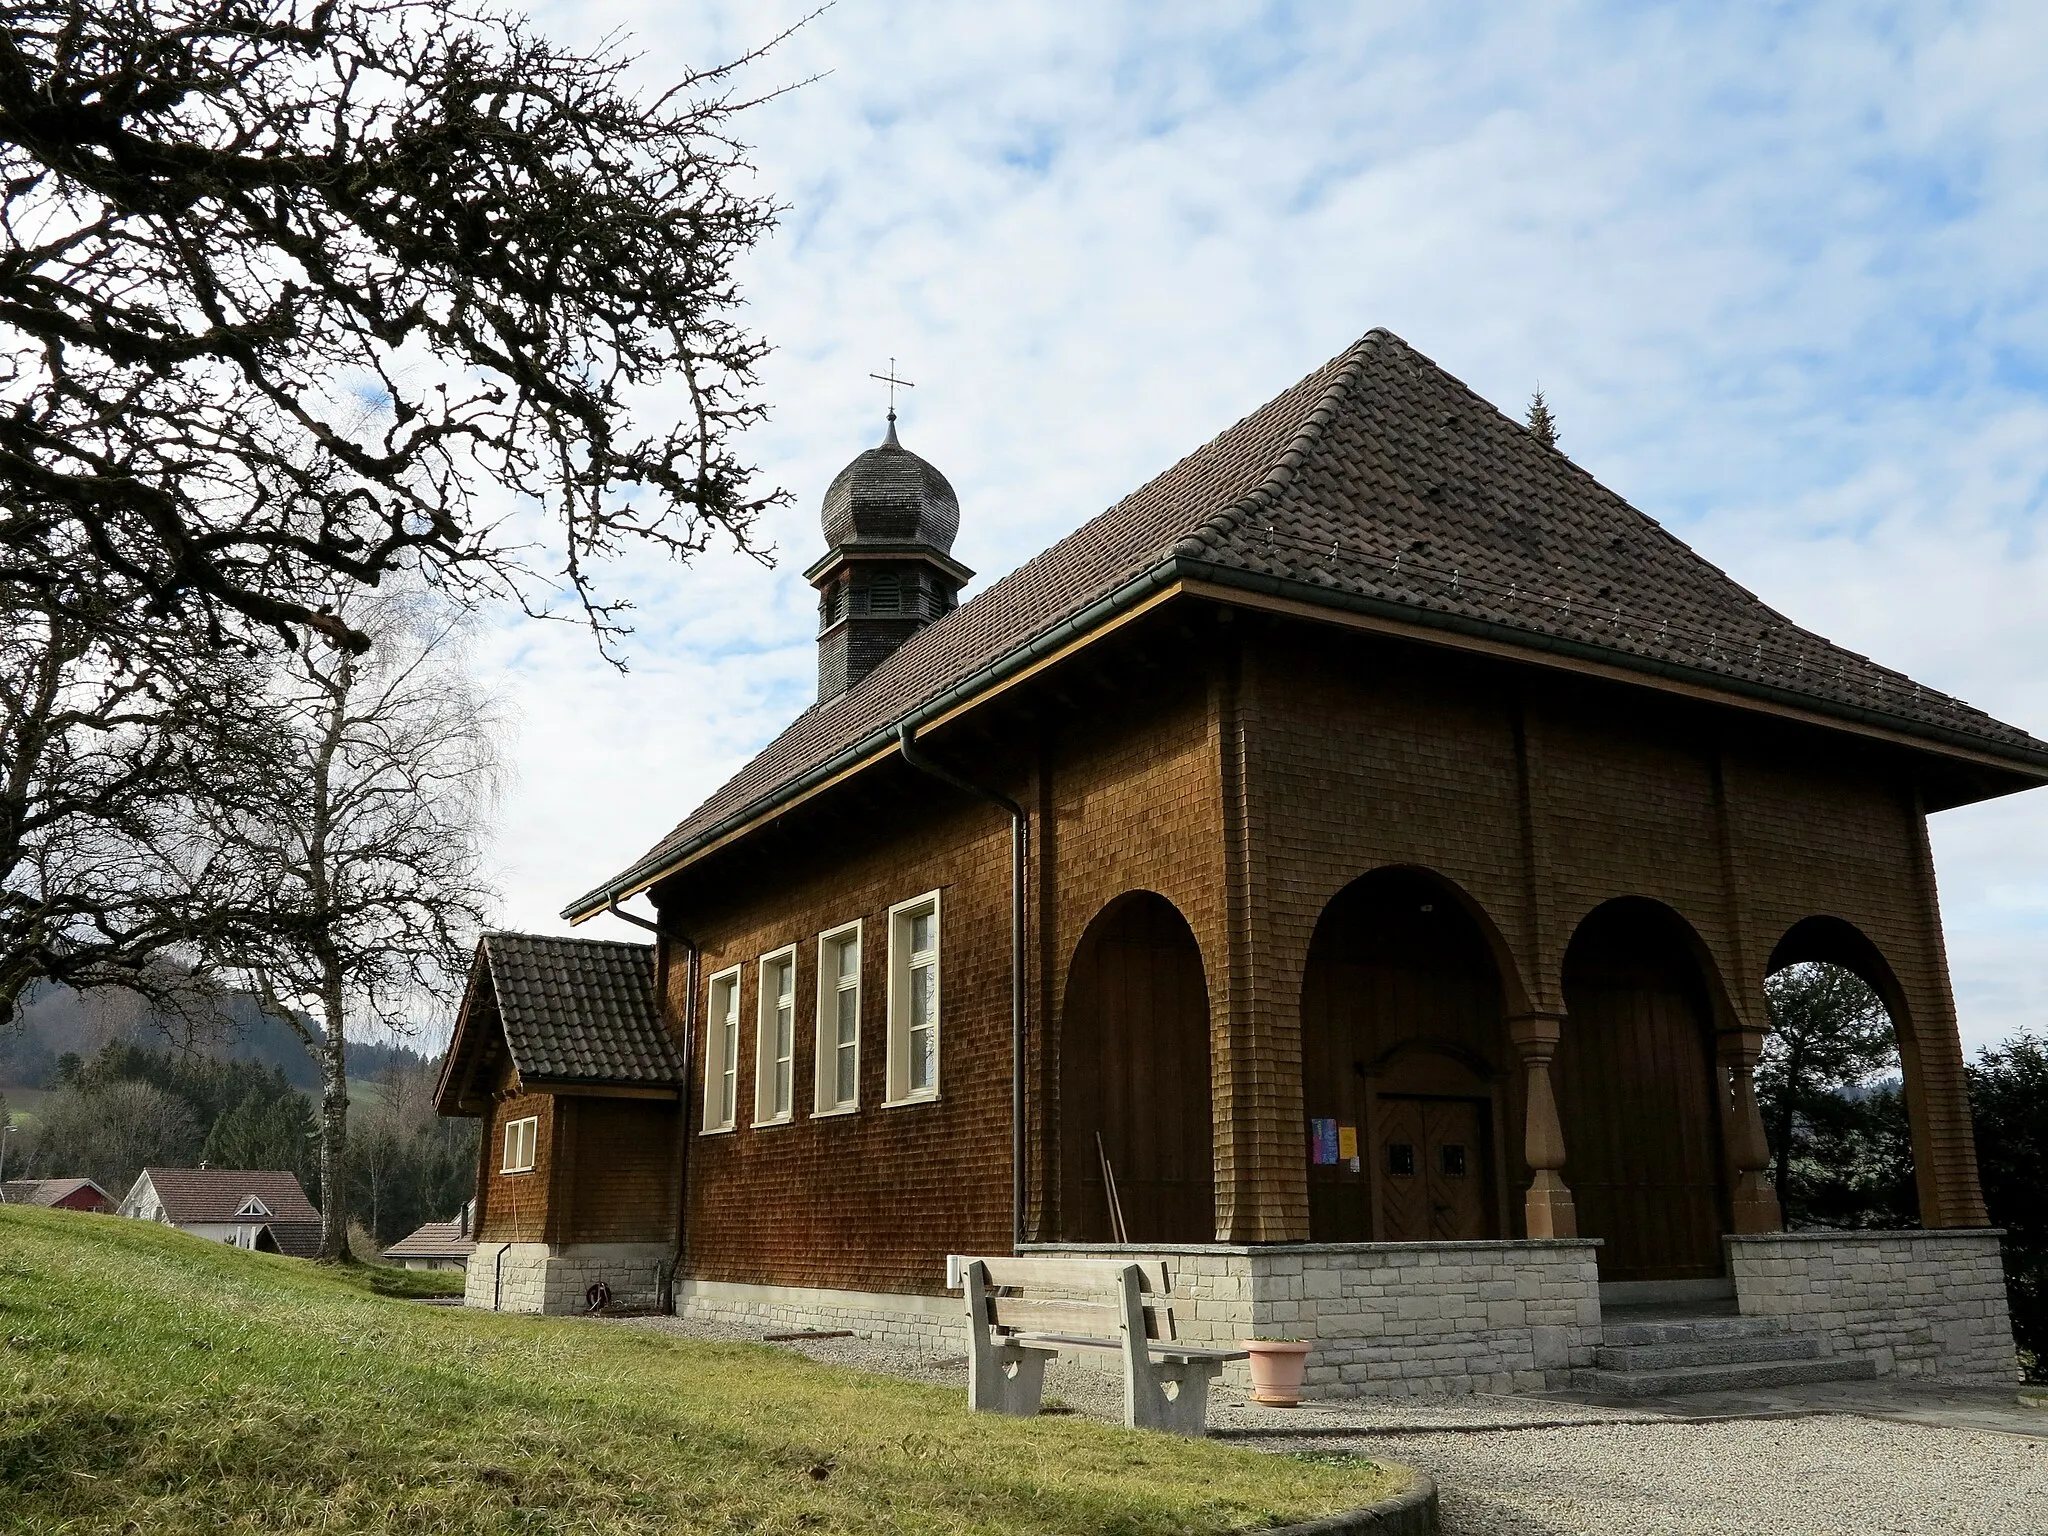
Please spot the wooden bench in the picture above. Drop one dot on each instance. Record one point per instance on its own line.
(1112, 1305)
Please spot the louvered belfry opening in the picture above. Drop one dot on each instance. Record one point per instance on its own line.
(889, 519)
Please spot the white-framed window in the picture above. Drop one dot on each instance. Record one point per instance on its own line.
(838, 1073)
(914, 1000)
(253, 1206)
(722, 1051)
(775, 1039)
(521, 1138)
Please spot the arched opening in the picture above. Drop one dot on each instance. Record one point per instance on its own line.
(1404, 1066)
(1134, 1079)
(1831, 1082)
(1637, 1095)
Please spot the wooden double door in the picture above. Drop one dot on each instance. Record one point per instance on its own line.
(1432, 1164)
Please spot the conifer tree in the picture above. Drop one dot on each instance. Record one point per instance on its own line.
(1542, 425)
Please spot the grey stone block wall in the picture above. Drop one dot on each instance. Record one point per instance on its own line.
(1393, 1318)
(929, 1324)
(1917, 1303)
(532, 1277)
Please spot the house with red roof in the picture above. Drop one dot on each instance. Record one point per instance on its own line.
(57, 1195)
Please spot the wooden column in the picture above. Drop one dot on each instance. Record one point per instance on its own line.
(1752, 1202)
(1547, 1209)
(1261, 1172)
(1931, 1063)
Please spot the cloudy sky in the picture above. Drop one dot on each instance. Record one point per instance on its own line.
(1778, 267)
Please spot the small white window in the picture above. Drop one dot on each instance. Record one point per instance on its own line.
(253, 1207)
(775, 1040)
(722, 1052)
(839, 1020)
(521, 1136)
(914, 1000)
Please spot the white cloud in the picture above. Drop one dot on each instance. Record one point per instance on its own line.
(1777, 269)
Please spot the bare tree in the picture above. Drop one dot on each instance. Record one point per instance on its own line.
(110, 1132)
(112, 728)
(363, 872)
(283, 281)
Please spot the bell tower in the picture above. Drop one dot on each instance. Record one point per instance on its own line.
(888, 570)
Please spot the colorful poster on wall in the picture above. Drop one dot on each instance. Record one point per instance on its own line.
(1322, 1135)
(1347, 1143)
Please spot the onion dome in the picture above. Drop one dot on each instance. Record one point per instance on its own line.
(888, 568)
(888, 495)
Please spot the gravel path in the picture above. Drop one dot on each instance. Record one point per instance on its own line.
(1605, 1471)
(1786, 1477)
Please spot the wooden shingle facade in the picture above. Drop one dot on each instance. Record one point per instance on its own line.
(1396, 828)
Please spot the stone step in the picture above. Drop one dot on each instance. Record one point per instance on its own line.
(1722, 1378)
(1687, 1330)
(1737, 1351)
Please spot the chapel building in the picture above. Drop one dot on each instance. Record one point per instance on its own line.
(1348, 867)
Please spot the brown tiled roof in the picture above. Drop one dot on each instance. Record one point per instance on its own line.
(216, 1194)
(433, 1240)
(294, 1239)
(1379, 482)
(580, 1010)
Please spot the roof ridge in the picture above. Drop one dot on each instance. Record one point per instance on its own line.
(558, 938)
(1287, 463)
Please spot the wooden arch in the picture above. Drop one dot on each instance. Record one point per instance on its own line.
(1134, 1071)
(1837, 941)
(1638, 1092)
(1406, 1066)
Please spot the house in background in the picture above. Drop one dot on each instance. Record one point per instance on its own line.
(1347, 871)
(58, 1195)
(262, 1210)
(436, 1244)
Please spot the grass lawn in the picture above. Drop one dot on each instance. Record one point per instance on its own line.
(154, 1382)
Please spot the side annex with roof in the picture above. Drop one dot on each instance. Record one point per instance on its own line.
(1363, 848)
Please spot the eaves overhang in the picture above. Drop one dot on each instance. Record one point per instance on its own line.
(1180, 573)
(848, 554)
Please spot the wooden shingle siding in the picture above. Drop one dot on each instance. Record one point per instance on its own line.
(617, 1158)
(517, 1207)
(1248, 787)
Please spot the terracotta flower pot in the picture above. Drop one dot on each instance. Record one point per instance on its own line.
(1277, 1366)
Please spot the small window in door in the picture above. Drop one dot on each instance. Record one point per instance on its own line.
(1401, 1159)
(1452, 1157)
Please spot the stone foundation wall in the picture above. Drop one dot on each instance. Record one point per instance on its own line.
(536, 1277)
(1917, 1303)
(933, 1324)
(1392, 1318)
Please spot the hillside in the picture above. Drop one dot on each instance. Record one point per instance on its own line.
(55, 1021)
(151, 1381)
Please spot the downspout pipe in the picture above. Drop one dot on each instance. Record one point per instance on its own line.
(1020, 848)
(692, 956)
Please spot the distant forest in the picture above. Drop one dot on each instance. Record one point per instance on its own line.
(123, 1089)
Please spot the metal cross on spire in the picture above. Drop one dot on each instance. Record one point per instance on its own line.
(894, 383)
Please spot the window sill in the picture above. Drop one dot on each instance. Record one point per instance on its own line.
(837, 1112)
(912, 1101)
(508, 1173)
(718, 1130)
(769, 1125)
